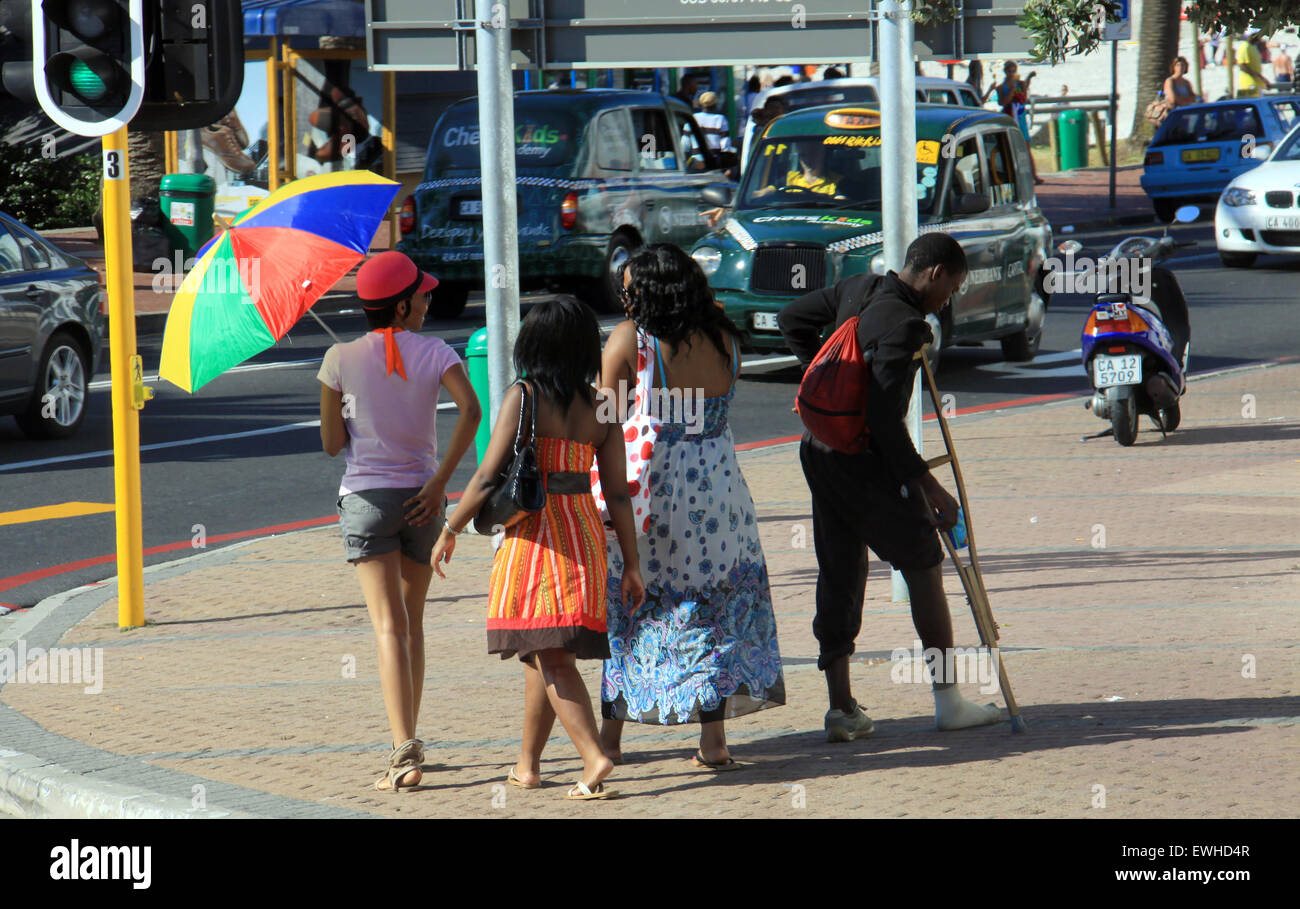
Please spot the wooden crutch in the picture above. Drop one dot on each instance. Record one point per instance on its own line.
(971, 579)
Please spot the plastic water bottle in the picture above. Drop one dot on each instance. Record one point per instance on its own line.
(957, 536)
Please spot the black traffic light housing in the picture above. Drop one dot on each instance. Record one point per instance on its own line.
(94, 65)
(88, 63)
(195, 63)
(16, 50)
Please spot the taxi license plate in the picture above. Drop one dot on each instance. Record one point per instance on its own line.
(766, 320)
(1125, 370)
(1200, 155)
(470, 208)
(1282, 222)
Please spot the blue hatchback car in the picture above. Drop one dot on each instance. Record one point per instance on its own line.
(1200, 148)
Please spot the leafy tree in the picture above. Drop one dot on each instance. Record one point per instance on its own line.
(46, 192)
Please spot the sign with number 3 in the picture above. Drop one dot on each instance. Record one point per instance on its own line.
(113, 169)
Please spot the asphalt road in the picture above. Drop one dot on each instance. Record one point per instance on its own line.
(244, 454)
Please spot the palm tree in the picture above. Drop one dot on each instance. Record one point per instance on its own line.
(1158, 32)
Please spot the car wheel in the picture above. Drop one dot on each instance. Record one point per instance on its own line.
(1237, 260)
(602, 293)
(1022, 346)
(936, 346)
(1165, 209)
(448, 300)
(58, 403)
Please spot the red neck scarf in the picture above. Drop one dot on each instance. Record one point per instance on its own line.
(392, 356)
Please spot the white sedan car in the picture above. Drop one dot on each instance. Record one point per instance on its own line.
(1259, 211)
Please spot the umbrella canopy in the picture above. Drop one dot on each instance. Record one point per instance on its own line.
(252, 282)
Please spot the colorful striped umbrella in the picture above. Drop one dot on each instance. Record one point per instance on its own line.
(255, 280)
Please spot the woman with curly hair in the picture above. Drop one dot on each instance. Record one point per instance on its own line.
(703, 647)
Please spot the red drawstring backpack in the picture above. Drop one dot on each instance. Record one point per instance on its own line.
(832, 398)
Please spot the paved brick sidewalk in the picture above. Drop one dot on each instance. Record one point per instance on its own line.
(1081, 198)
(1127, 656)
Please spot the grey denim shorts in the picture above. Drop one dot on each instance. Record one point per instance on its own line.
(374, 523)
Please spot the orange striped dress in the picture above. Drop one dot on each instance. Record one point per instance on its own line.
(548, 578)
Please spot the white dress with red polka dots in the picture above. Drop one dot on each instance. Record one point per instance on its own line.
(703, 647)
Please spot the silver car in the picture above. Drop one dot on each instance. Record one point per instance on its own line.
(51, 332)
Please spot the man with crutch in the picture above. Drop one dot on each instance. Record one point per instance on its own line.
(878, 498)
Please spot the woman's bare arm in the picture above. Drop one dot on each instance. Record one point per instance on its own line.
(618, 366)
(333, 431)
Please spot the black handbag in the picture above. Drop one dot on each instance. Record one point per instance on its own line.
(520, 489)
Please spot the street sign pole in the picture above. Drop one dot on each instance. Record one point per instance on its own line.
(500, 223)
(128, 393)
(898, 171)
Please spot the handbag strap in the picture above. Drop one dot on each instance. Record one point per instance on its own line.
(523, 405)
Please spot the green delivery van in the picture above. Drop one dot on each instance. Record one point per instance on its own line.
(808, 213)
(599, 173)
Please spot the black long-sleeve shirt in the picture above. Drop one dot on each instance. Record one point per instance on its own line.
(891, 330)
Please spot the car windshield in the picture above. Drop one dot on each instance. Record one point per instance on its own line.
(1221, 123)
(827, 172)
(1289, 150)
(544, 138)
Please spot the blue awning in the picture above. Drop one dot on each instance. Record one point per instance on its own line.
(286, 18)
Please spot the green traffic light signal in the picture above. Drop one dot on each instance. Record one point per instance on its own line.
(90, 75)
(85, 82)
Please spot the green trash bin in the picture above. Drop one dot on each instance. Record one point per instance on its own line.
(187, 202)
(476, 356)
(1074, 139)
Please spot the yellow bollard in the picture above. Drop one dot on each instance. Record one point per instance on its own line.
(128, 389)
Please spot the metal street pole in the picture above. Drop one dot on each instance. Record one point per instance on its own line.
(898, 170)
(1114, 111)
(128, 391)
(496, 114)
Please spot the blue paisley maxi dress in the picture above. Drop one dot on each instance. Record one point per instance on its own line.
(703, 646)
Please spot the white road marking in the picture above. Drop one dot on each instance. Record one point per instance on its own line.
(1032, 371)
(154, 446)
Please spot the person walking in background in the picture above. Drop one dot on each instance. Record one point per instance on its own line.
(1013, 98)
(717, 132)
(546, 600)
(686, 88)
(1250, 65)
(746, 106)
(1178, 89)
(975, 77)
(878, 498)
(704, 646)
(379, 403)
(1283, 67)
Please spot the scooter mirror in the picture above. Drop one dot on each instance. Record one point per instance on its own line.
(1069, 247)
(1187, 214)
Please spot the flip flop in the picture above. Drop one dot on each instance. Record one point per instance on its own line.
(716, 766)
(516, 781)
(584, 794)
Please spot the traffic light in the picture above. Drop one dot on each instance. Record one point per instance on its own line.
(88, 62)
(16, 50)
(195, 63)
(95, 65)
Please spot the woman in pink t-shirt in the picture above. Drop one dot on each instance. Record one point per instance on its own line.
(379, 404)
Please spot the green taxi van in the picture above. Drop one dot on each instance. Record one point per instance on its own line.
(808, 213)
(599, 172)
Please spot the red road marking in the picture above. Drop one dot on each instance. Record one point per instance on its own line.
(31, 577)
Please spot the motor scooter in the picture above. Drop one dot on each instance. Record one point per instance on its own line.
(1135, 347)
